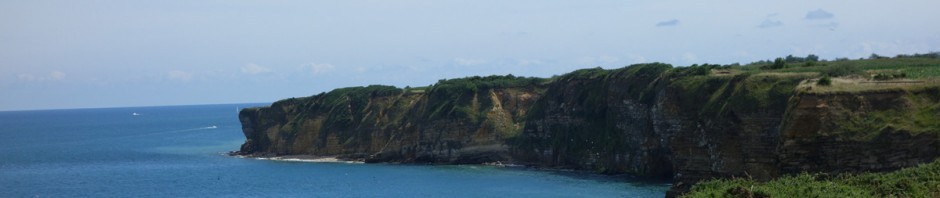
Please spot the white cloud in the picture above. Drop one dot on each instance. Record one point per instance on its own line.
(57, 75)
(252, 68)
(468, 61)
(770, 23)
(361, 69)
(52, 76)
(689, 57)
(819, 14)
(179, 75)
(26, 77)
(319, 68)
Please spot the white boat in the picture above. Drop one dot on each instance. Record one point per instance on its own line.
(135, 114)
(212, 127)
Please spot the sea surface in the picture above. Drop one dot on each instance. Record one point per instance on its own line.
(179, 151)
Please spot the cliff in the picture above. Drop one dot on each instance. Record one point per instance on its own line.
(456, 121)
(687, 124)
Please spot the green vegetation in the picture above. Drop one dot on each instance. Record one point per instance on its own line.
(888, 75)
(581, 122)
(584, 95)
(840, 70)
(743, 92)
(719, 92)
(920, 181)
(824, 81)
(916, 66)
(645, 92)
(460, 97)
(913, 68)
(915, 113)
(722, 88)
(778, 64)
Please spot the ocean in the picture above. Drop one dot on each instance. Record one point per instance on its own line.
(179, 151)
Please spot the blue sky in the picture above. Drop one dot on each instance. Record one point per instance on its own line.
(84, 54)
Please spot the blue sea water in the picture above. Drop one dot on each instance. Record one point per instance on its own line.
(178, 151)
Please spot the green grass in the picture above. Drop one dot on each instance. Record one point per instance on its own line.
(913, 68)
(454, 98)
(920, 181)
(920, 116)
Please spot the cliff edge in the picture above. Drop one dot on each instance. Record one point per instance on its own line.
(687, 124)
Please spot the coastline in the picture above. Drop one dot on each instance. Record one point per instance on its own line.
(298, 158)
(570, 172)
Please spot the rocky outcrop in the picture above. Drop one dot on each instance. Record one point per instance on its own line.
(387, 124)
(853, 132)
(650, 120)
(598, 120)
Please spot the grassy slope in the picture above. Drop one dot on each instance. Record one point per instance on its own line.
(914, 68)
(921, 181)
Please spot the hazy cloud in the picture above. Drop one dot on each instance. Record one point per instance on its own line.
(52, 76)
(26, 77)
(866, 48)
(689, 57)
(252, 68)
(57, 75)
(590, 61)
(818, 14)
(527, 62)
(633, 59)
(319, 68)
(673, 22)
(770, 23)
(830, 25)
(179, 75)
(468, 61)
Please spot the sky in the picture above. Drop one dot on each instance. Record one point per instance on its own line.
(102, 53)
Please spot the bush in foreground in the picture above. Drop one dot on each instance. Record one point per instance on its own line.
(824, 81)
(920, 181)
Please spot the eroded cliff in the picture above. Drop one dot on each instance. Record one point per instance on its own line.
(687, 124)
(457, 121)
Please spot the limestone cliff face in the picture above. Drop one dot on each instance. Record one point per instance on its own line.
(650, 120)
(722, 127)
(598, 120)
(385, 124)
(851, 132)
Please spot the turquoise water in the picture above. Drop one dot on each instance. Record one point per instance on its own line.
(176, 152)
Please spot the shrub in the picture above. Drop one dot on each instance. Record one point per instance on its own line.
(824, 81)
(889, 76)
(809, 64)
(919, 181)
(841, 70)
(694, 70)
(779, 63)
